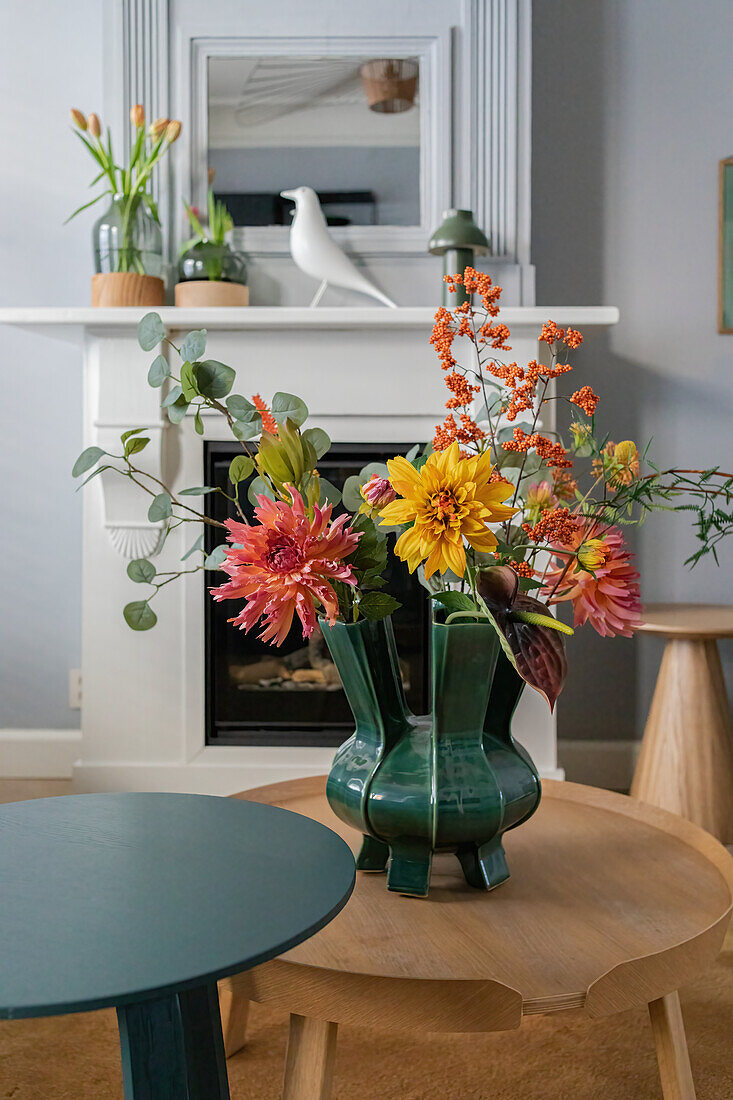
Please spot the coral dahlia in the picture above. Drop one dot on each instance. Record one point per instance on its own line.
(609, 597)
(284, 564)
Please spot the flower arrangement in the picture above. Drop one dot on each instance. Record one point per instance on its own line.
(127, 184)
(208, 254)
(500, 518)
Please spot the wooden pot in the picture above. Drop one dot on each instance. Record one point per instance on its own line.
(127, 289)
(206, 292)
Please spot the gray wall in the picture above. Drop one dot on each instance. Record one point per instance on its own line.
(631, 113)
(52, 60)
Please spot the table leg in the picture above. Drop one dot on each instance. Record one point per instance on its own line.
(686, 759)
(310, 1061)
(672, 1056)
(234, 1011)
(172, 1047)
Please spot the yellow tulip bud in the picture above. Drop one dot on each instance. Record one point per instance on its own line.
(137, 115)
(95, 126)
(158, 127)
(78, 118)
(173, 130)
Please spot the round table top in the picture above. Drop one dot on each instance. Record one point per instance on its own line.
(687, 620)
(109, 899)
(610, 903)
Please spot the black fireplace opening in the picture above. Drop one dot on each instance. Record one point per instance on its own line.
(292, 695)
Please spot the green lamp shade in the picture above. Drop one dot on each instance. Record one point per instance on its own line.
(458, 231)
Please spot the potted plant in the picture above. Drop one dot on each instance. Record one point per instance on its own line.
(127, 239)
(210, 272)
(499, 520)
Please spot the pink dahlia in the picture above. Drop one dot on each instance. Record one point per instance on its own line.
(608, 597)
(286, 563)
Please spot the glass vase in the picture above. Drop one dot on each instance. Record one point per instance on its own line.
(215, 262)
(128, 239)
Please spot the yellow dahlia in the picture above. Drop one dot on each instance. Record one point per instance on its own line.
(449, 499)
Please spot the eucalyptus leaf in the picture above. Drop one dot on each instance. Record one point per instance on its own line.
(197, 491)
(240, 468)
(214, 379)
(194, 344)
(94, 473)
(286, 406)
(86, 460)
(216, 557)
(258, 487)
(141, 571)
(189, 383)
(198, 423)
(244, 430)
(172, 396)
(150, 331)
(318, 439)
(160, 508)
(329, 494)
(198, 545)
(139, 615)
(159, 371)
(178, 410)
(242, 409)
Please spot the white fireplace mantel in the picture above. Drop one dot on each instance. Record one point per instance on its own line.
(367, 374)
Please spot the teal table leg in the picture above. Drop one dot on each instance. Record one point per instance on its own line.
(172, 1048)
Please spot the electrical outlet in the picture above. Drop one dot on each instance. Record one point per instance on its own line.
(75, 688)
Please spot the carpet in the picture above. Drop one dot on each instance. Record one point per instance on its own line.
(549, 1058)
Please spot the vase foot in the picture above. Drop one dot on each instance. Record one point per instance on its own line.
(485, 865)
(373, 856)
(409, 868)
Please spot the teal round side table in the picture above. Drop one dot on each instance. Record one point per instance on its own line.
(141, 902)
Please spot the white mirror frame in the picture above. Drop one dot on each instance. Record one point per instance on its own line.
(435, 133)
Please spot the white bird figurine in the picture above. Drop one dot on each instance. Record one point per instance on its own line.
(316, 253)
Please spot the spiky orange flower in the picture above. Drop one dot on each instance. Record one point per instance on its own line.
(285, 564)
(449, 499)
(269, 423)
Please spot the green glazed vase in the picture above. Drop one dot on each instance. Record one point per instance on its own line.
(453, 780)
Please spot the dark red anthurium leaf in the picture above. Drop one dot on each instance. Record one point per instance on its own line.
(538, 650)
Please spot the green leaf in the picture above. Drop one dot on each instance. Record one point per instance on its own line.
(198, 423)
(258, 487)
(194, 344)
(329, 494)
(159, 371)
(216, 557)
(351, 493)
(86, 460)
(318, 439)
(371, 551)
(214, 379)
(139, 615)
(286, 406)
(198, 491)
(172, 396)
(526, 584)
(94, 473)
(377, 605)
(137, 443)
(454, 601)
(160, 508)
(150, 331)
(130, 432)
(141, 571)
(240, 468)
(198, 545)
(189, 384)
(242, 430)
(242, 409)
(178, 410)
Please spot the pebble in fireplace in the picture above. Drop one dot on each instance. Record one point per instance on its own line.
(257, 695)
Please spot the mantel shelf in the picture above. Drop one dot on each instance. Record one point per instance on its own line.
(70, 322)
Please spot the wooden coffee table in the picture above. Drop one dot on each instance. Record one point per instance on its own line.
(686, 759)
(611, 904)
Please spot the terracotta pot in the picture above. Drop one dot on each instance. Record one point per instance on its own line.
(127, 289)
(204, 292)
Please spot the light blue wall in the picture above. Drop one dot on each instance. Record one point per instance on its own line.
(631, 114)
(51, 61)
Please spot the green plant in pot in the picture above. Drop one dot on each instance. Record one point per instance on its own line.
(499, 520)
(127, 238)
(210, 271)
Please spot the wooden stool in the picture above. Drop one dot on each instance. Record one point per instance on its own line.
(611, 904)
(686, 759)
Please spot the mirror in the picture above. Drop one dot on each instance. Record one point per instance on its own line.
(349, 127)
